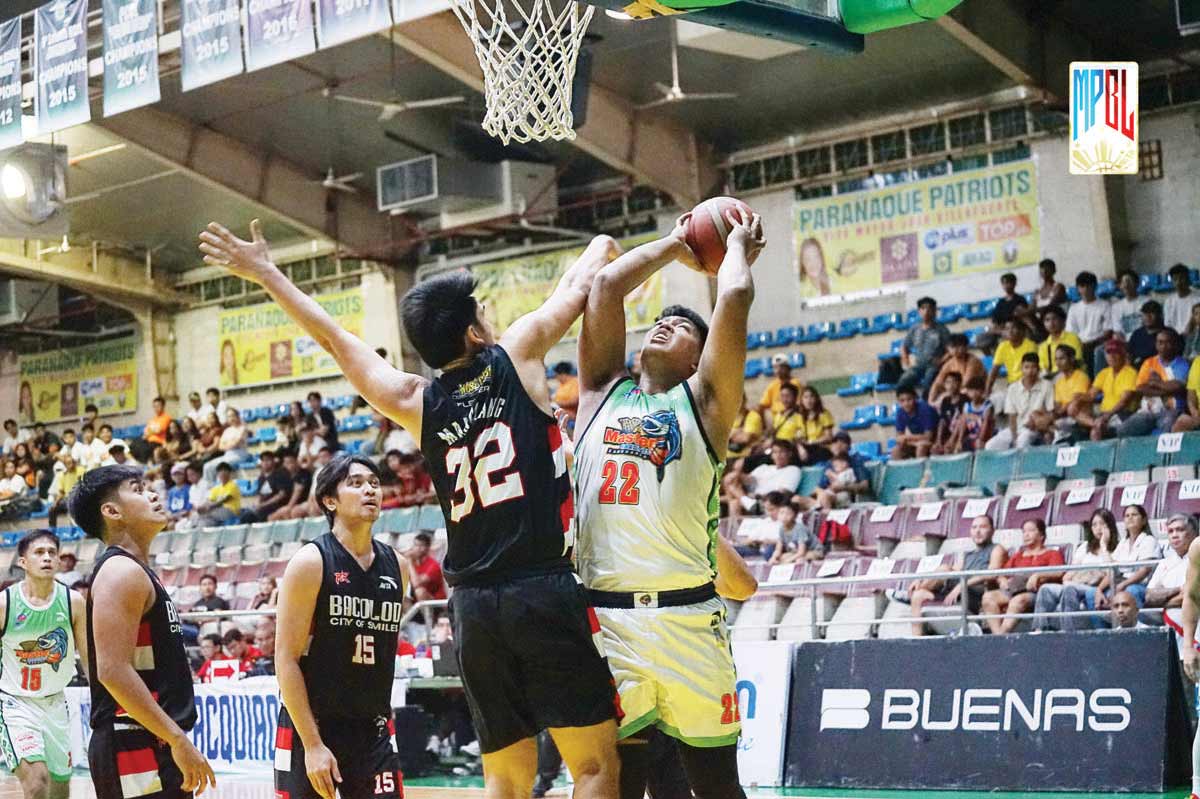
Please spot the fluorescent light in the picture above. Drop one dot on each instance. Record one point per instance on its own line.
(14, 182)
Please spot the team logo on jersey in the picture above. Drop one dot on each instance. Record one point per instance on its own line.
(50, 648)
(655, 438)
(22, 617)
(387, 582)
(474, 386)
(341, 577)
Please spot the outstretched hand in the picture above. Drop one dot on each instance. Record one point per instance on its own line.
(683, 253)
(746, 233)
(249, 260)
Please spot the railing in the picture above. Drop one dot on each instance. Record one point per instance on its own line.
(206, 615)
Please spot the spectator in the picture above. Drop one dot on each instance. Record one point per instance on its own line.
(1191, 334)
(796, 541)
(118, 456)
(103, 443)
(949, 406)
(1162, 385)
(197, 488)
(1125, 612)
(232, 444)
(196, 411)
(91, 415)
(179, 495)
(760, 541)
(960, 360)
(268, 593)
(156, 427)
(1015, 595)
(1191, 419)
(747, 429)
(42, 438)
(72, 445)
(1050, 292)
(1090, 318)
(12, 485)
(326, 423)
(264, 640)
(177, 444)
(208, 445)
(824, 495)
(916, 424)
(1072, 392)
(781, 474)
(1006, 310)
(426, 573)
(296, 506)
(1165, 589)
(215, 406)
(1177, 309)
(987, 555)
(771, 403)
(223, 503)
(68, 571)
(310, 443)
(1009, 354)
(1079, 589)
(274, 489)
(1139, 544)
(239, 649)
(87, 454)
(63, 482)
(390, 436)
(1126, 310)
(815, 428)
(323, 459)
(408, 483)
(1054, 319)
(786, 420)
(13, 436)
(210, 650)
(1115, 388)
(566, 394)
(208, 596)
(975, 422)
(842, 479)
(1142, 344)
(1028, 397)
(923, 348)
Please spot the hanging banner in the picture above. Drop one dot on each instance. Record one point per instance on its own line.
(277, 31)
(60, 62)
(10, 84)
(212, 42)
(130, 54)
(342, 20)
(60, 384)
(260, 344)
(950, 226)
(515, 286)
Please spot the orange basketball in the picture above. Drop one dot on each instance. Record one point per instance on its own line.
(708, 229)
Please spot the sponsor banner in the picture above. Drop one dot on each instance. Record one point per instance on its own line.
(60, 62)
(130, 54)
(277, 31)
(260, 344)
(949, 226)
(342, 20)
(1104, 117)
(58, 385)
(513, 287)
(978, 705)
(764, 674)
(212, 41)
(10, 84)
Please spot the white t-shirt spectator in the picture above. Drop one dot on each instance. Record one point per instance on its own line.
(99, 455)
(1022, 402)
(79, 451)
(207, 409)
(1130, 551)
(308, 451)
(401, 440)
(1089, 320)
(1178, 310)
(1126, 316)
(10, 443)
(13, 486)
(769, 477)
(1170, 574)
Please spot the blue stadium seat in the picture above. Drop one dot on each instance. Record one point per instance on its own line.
(786, 335)
(871, 450)
(864, 417)
(859, 384)
(281, 410)
(246, 487)
(882, 323)
(1189, 450)
(1106, 289)
(753, 368)
(431, 518)
(268, 435)
(755, 341)
(849, 328)
(885, 416)
(247, 415)
(908, 320)
(1039, 462)
(1162, 283)
(797, 360)
(893, 350)
(949, 314)
(982, 309)
(1140, 452)
(810, 479)
(1072, 294)
(816, 332)
(994, 467)
(950, 469)
(355, 446)
(899, 475)
(252, 438)
(1093, 456)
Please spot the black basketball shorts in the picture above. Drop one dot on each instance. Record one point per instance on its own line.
(129, 763)
(366, 756)
(531, 658)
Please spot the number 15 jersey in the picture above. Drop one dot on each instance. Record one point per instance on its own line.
(499, 467)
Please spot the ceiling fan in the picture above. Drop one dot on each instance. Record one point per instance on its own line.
(673, 93)
(334, 183)
(389, 110)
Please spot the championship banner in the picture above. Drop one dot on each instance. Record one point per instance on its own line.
(58, 385)
(342, 20)
(260, 344)
(277, 31)
(212, 42)
(10, 84)
(130, 55)
(60, 62)
(764, 676)
(515, 286)
(931, 229)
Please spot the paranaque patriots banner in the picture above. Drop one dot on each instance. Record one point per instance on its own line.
(60, 62)
(130, 54)
(10, 83)
(212, 41)
(342, 20)
(60, 384)
(277, 31)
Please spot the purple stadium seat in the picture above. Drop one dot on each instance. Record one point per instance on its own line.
(1144, 495)
(1180, 496)
(928, 519)
(881, 522)
(1076, 507)
(964, 511)
(1023, 507)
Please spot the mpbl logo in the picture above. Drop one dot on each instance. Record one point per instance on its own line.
(1104, 121)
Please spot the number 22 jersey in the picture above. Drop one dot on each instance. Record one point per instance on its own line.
(499, 467)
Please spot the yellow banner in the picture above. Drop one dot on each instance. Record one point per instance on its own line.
(60, 384)
(949, 226)
(260, 344)
(515, 286)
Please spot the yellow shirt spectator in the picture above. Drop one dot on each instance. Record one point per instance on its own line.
(770, 398)
(750, 423)
(813, 429)
(1113, 387)
(1193, 381)
(787, 427)
(1046, 349)
(222, 490)
(1067, 388)
(1010, 357)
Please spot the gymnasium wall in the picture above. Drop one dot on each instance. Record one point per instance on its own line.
(1161, 214)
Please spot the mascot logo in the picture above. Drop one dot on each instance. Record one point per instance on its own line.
(50, 648)
(655, 438)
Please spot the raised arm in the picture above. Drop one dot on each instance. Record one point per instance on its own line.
(717, 384)
(394, 393)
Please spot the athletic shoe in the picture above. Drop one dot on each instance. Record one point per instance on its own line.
(542, 786)
(471, 749)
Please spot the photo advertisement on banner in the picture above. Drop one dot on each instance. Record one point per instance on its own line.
(58, 385)
(130, 54)
(60, 59)
(339, 21)
(10, 84)
(946, 227)
(212, 42)
(278, 31)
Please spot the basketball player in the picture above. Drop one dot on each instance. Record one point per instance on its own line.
(1191, 657)
(522, 624)
(40, 621)
(648, 466)
(142, 700)
(340, 605)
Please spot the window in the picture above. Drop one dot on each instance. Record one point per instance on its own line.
(850, 154)
(1018, 153)
(1008, 123)
(778, 169)
(969, 163)
(889, 147)
(967, 131)
(810, 163)
(747, 176)
(1150, 166)
(808, 192)
(933, 170)
(928, 139)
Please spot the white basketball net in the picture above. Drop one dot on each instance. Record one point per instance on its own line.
(527, 71)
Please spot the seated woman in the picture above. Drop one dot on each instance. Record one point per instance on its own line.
(1015, 595)
(1100, 539)
(1139, 544)
(815, 429)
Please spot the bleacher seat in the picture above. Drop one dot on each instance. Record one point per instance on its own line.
(1009, 538)
(1180, 496)
(878, 528)
(797, 621)
(232, 536)
(786, 335)
(276, 532)
(859, 384)
(246, 487)
(950, 469)
(815, 332)
(956, 546)
(759, 612)
(288, 549)
(882, 323)
(1163, 474)
(1020, 508)
(229, 554)
(1076, 506)
(1189, 449)
(1064, 535)
(862, 604)
(1094, 456)
(248, 415)
(755, 341)
(268, 435)
(274, 568)
(797, 360)
(908, 320)
(885, 416)
(982, 309)
(431, 518)
(864, 417)
(810, 479)
(964, 511)
(310, 528)
(898, 475)
(256, 552)
(991, 468)
(893, 350)
(1140, 452)
(1146, 495)
(949, 314)
(871, 450)
(1035, 461)
(927, 519)
(849, 328)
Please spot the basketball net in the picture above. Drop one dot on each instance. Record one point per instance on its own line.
(528, 64)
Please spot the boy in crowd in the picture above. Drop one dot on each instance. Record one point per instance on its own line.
(1142, 342)
(958, 359)
(1055, 319)
(1009, 354)
(1090, 318)
(923, 347)
(224, 500)
(1071, 389)
(1177, 309)
(1115, 388)
(916, 424)
(949, 406)
(1025, 398)
(1126, 310)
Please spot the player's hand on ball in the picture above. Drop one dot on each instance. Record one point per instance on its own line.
(746, 232)
(249, 260)
(684, 253)
(197, 773)
(322, 770)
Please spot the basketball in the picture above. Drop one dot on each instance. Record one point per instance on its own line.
(708, 228)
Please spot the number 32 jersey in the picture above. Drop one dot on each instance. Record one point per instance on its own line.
(499, 467)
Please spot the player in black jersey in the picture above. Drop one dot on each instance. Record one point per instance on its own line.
(340, 605)
(142, 700)
(527, 641)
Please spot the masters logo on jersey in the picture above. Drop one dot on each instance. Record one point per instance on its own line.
(474, 386)
(1104, 118)
(50, 648)
(655, 438)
